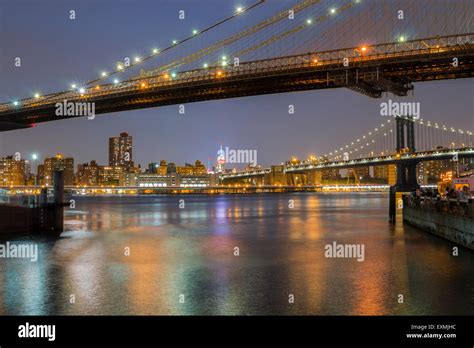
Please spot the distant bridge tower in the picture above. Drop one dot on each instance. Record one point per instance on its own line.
(405, 124)
(406, 171)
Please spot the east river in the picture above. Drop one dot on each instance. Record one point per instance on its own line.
(236, 255)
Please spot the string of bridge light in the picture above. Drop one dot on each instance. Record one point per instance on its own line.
(306, 24)
(355, 145)
(435, 125)
(358, 144)
(195, 33)
(249, 31)
(223, 61)
(137, 60)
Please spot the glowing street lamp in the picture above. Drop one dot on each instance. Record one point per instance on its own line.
(34, 157)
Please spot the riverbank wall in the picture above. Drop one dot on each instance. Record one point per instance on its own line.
(449, 219)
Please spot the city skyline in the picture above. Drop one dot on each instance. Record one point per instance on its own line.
(260, 122)
(44, 143)
(241, 159)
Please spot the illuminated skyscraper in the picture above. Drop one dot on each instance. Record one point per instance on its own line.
(220, 160)
(120, 151)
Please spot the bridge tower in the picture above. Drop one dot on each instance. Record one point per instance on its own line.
(406, 171)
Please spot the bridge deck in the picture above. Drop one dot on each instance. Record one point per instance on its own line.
(378, 68)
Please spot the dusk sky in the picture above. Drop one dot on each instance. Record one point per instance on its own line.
(56, 51)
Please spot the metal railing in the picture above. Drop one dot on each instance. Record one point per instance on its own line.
(451, 206)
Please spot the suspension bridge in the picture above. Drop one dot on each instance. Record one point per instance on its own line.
(402, 141)
(371, 47)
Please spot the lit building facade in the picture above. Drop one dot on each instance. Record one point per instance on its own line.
(12, 172)
(52, 164)
(88, 174)
(220, 161)
(121, 151)
(430, 172)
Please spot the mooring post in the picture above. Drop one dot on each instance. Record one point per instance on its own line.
(58, 223)
(392, 204)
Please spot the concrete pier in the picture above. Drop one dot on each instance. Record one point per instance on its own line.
(449, 219)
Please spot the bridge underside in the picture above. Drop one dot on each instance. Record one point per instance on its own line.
(372, 77)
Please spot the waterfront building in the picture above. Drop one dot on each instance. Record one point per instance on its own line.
(187, 170)
(152, 180)
(152, 167)
(162, 168)
(58, 162)
(429, 172)
(381, 172)
(330, 174)
(130, 176)
(195, 181)
(199, 168)
(392, 174)
(40, 174)
(92, 174)
(112, 175)
(12, 171)
(362, 172)
(88, 174)
(171, 168)
(277, 176)
(121, 151)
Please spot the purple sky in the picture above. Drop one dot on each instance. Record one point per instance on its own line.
(56, 51)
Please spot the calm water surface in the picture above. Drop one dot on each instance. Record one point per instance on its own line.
(190, 252)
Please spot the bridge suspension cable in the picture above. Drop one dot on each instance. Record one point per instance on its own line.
(381, 140)
(155, 52)
(279, 36)
(230, 40)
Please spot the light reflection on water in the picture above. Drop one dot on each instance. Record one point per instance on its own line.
(191, 251)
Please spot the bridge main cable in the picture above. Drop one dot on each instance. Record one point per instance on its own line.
(230, 40)
(154, 54)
